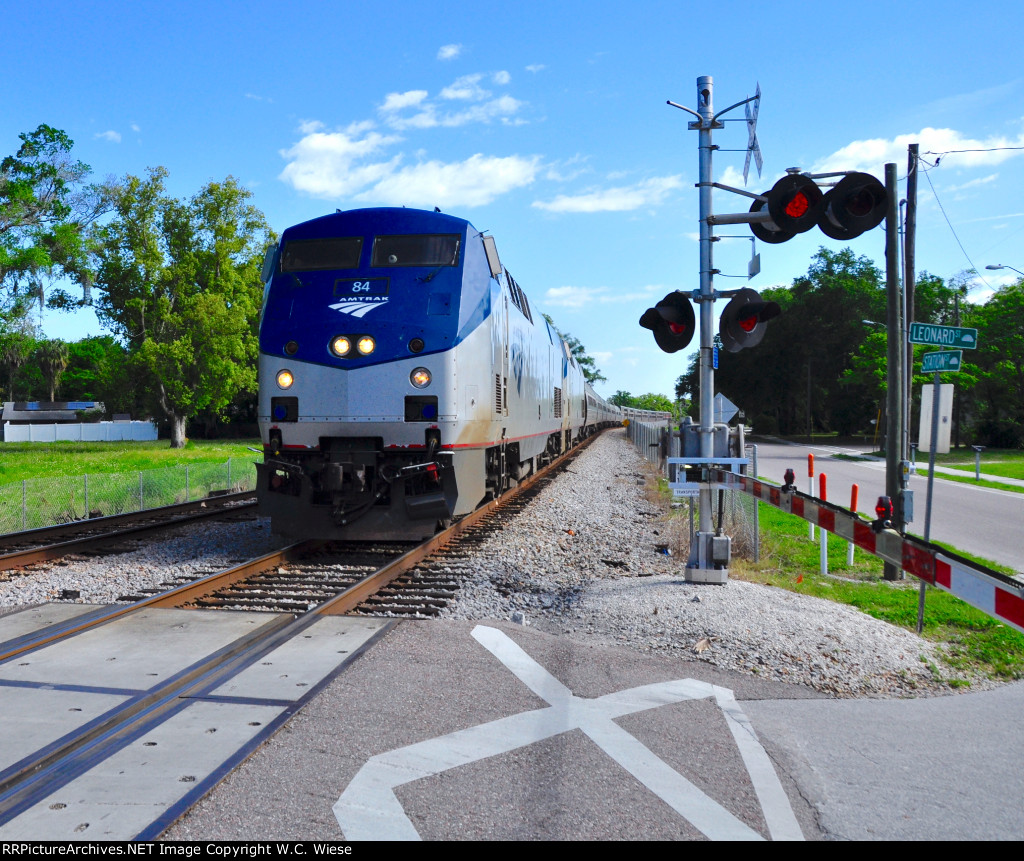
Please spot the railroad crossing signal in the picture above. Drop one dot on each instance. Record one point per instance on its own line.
(856, 204)
(795, 204)
(744, 320)
(753, 147)
(672, 321)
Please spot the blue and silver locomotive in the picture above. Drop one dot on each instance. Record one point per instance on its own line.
(404, 377)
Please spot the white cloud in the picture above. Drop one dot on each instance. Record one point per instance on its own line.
(650, 192)
(112, 136)
(466, 88)
(355, 161)
(428, 114)
(984, 180)
(579, 297)
(398, 101)
(331, 164)
(256, 98)
(573, 297)
(535, 67)
(473, 182)
(449, 52)
(135, 127)
(734, 176)
(567, 170)
(502, 108)
(871, 156)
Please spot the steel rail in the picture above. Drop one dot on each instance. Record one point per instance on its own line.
(33, 778)
(49, 552)
(45, 532)
(352, 597)
(172, 598)
(343, 603)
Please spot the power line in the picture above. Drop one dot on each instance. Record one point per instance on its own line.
(984, 149)
(942, 209)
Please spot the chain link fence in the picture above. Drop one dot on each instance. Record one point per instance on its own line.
(738, 510)
(37, 502)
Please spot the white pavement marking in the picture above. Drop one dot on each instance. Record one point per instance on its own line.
(369, 810)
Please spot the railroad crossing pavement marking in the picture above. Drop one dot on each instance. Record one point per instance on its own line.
(368, 809)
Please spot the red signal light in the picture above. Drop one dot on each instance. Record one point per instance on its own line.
(798, 206)
(883, 514)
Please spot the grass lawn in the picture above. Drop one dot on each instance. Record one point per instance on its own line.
(1008, 464)
(25, 460)
(970, 639)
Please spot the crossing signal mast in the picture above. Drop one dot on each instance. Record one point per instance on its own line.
(854, 203)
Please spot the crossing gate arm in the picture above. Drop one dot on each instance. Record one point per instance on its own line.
(996, 594)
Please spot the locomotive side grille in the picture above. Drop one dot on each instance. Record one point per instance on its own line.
(558, 403)
(497, 394)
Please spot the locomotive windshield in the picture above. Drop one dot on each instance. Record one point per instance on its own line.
(416, 250)
(304, 255)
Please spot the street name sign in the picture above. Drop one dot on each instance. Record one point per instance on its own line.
(943, 336)
(948, 360)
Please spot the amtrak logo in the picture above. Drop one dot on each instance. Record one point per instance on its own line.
(359, 307)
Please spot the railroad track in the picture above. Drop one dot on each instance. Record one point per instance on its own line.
(295, 587)
(104, 534)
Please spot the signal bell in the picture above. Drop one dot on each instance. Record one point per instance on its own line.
(672, 321)
(744, 320)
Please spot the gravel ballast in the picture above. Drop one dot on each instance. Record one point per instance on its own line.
(583, 561)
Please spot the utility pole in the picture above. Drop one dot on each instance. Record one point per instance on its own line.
(909, 279)
(894, 395)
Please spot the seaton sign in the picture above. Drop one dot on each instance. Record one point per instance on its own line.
(943, 336)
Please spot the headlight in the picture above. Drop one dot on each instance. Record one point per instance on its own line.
(285, 379)
(341, 345)
(365, 345)
(420, 378)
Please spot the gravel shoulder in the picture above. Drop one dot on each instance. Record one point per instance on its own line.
(582, 561)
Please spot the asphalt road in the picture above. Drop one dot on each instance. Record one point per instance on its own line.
(988, 523)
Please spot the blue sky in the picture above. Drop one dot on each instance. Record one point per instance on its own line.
(545, 124)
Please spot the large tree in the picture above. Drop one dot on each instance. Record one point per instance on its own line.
(179, 282)
(52, 358)
(998, 398)
(797, 374)
(46, 207)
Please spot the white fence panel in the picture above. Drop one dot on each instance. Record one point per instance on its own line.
(91, 432)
